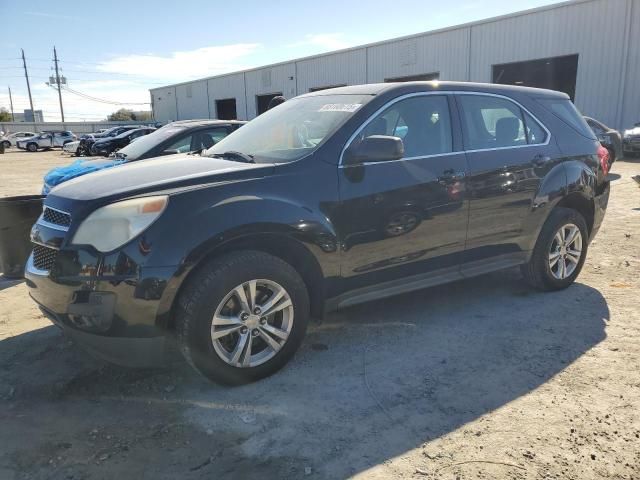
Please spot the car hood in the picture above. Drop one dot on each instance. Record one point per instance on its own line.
(155, 174)
(632, 131)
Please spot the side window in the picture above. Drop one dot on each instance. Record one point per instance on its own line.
(423, 123)
(182, 145)
(491, 122)
(535, 133)
(208, 138)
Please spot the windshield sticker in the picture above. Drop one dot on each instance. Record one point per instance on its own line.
(340, 107)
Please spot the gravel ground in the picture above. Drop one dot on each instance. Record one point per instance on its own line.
(480, 379)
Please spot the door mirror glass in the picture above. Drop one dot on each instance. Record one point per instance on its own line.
(374, 148)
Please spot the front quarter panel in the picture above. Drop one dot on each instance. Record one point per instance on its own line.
(293, 203)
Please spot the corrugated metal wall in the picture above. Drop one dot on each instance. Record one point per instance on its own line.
(346, 68)
(604, 33)
(163, 102)
(274, 79)
(629, 103)
(228, 86)
(445, 53)
(190, 102)
(593, 30)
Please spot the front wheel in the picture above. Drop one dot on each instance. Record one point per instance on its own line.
(7, 144)
(560, 251)
(32, 147)
(242, 317)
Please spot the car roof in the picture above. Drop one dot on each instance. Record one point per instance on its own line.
(436, 85)
(205, 121)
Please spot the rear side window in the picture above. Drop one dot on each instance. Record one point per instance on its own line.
(494, 122)
(491, 122)
(567, 112)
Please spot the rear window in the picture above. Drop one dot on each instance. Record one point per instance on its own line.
(568, 113)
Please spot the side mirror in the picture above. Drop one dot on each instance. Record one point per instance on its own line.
(375, 148)
(172, 151)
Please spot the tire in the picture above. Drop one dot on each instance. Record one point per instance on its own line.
(7, 144)
(32, 147)
(211, 292)
(539, 272)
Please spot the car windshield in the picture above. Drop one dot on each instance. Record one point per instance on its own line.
(145, 143)
(291, 130)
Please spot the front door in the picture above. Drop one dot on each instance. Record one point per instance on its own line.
(508, 152)
(405, 217)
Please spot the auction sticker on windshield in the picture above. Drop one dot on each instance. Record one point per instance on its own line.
(340, 107)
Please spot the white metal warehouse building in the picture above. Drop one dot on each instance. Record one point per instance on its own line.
(587, 48)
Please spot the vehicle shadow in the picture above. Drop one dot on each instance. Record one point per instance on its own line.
(369, 383)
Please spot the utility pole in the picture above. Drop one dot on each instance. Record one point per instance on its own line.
(26, 75)
(55, 60)
(13, 118)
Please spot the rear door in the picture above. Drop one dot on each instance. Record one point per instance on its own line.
(407, 217)
(508, 152)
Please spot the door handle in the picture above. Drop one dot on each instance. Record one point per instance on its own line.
(539, 160)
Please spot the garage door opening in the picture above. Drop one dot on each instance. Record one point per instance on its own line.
(262, 101)
(556, 73)
(423, 77)
(226, 109)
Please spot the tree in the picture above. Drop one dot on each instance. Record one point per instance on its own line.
(125, 114)
(5, 116)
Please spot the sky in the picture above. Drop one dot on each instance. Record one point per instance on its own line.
(118, 50)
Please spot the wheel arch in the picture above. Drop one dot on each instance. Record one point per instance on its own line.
(282, 246)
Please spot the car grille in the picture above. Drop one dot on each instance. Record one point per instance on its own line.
(55, 217)
(44, 257)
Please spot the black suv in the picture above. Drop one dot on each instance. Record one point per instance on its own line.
(330, 199)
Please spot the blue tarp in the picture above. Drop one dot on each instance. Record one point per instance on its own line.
(80, 167)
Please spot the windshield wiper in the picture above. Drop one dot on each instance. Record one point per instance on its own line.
(233, 155)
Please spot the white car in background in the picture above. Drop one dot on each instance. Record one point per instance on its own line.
(71, 147)
(10, 139)
(56, 138)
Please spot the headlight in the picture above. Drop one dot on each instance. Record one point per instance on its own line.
(113, 225)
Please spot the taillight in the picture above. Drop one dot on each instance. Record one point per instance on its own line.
(603, 155)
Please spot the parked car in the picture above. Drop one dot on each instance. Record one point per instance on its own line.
(108, 145)
(179, 137)
(316, 205)
(10, 139)
(46, 139)
(631, 140)
(86, 141)
(609, 138)
(71, 147)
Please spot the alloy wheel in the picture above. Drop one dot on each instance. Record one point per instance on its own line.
(252, 323)
(566, 251)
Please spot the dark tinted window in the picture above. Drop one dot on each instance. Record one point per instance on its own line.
(491, 122)
(423, 123)
(535, 133)
(567, 112)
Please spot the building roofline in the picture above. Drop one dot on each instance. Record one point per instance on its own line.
(461, 26)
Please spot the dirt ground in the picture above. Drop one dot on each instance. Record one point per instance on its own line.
(480, 379)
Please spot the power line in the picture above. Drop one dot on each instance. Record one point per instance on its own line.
(102, 100)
